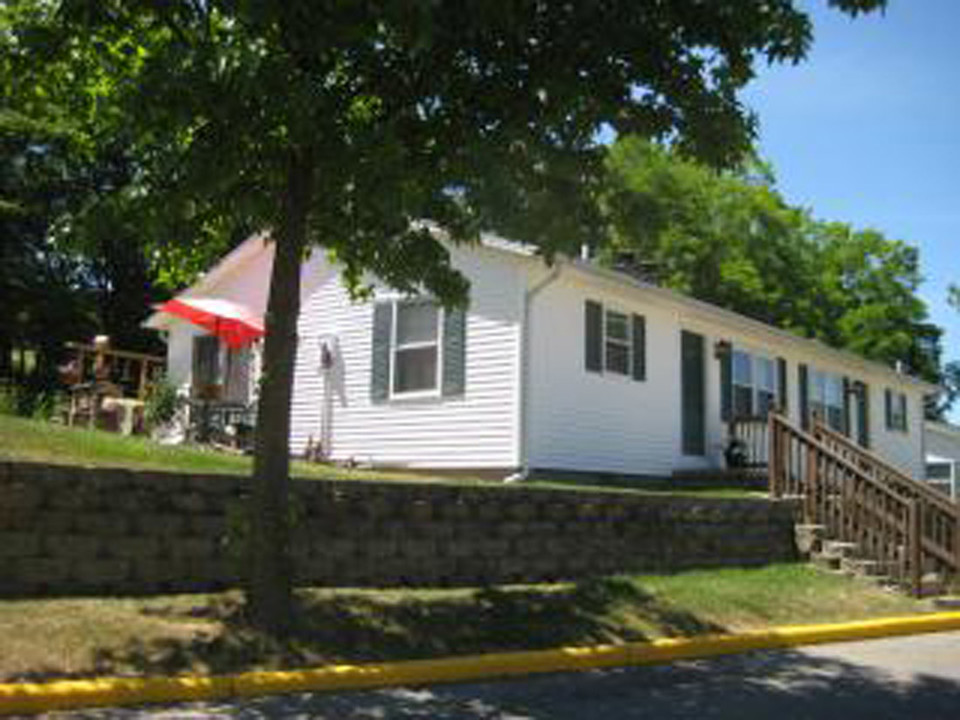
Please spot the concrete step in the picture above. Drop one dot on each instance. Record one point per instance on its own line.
(932, 584)
(838, 548)
(809, 538)
(863, 567)
(825, 562)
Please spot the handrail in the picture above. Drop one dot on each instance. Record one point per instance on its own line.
(869, 458)
(846, 464)
(862, 499)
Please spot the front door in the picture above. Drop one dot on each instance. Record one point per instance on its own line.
(692, 394)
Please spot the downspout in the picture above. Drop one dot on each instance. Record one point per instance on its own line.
(523, 419)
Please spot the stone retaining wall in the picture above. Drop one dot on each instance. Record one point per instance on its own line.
(69, 530)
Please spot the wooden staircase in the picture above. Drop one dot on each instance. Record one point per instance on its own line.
(861, 515)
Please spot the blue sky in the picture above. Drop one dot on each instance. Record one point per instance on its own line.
(867, 131)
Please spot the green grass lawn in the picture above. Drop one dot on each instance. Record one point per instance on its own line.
(206, 633)
(39, 441)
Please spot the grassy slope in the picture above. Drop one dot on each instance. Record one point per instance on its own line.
(206, 633)
(37, 441)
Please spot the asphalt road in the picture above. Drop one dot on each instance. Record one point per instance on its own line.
(914, 677)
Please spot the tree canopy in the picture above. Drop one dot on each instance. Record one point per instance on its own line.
(731, 239)
(343, 123)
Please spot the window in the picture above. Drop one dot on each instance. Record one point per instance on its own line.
(766, 385)
(940, 470)
(742, 384)
(826, 398)
(755, 384)
(614, 341)
(206, 364)
(617, 343)
(896, 411)
(415, 347)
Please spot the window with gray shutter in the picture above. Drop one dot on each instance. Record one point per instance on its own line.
(406, 356)
(416, 339)
(614, 341)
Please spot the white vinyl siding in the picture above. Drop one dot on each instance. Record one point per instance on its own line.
(477, 429)
(590, 421)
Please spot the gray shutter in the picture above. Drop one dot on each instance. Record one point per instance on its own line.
(380, 352)
(846, 407)
(639, 347)
(905, 412)
(454, 352)
(782, 394)
(593, 336)
(726, 384)
(692, 394)
(803, 379)
(888, 408)
(863, 415)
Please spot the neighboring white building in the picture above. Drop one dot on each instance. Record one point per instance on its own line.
(570, 367)
(943, 457)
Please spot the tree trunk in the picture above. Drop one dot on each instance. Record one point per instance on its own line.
(269, 569)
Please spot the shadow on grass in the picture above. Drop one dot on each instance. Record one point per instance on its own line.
(367, 627)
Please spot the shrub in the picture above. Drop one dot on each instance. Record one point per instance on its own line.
(162, 403)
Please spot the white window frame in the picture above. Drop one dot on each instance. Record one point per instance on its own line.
(627, 342)
(756, 360)
(437, 388)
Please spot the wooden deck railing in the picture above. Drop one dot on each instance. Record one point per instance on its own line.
(132, 371)
(908, 528)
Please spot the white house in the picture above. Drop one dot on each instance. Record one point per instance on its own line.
(570, 367)
(943, 457)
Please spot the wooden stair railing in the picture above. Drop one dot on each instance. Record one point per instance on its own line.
(859, 499)
(876, 466)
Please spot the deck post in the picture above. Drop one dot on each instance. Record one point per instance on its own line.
(914, 550)
(773, 461)
(810, 483)
(142, 384)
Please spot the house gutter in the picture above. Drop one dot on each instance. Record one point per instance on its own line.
(523, 419)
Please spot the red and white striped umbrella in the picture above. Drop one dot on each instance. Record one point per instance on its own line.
(235, 324)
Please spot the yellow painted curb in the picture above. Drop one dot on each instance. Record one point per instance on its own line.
(17, 698)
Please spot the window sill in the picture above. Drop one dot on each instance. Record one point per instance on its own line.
(415, 397)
